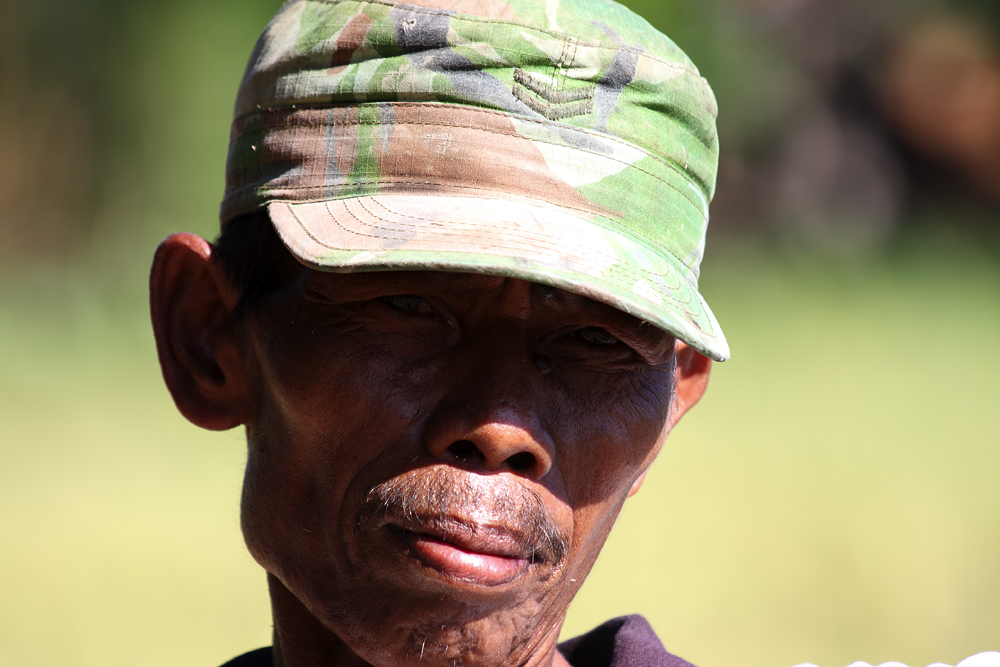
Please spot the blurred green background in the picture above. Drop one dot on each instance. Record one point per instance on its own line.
(835, 498)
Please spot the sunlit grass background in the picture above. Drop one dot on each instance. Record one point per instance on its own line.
(835, 498)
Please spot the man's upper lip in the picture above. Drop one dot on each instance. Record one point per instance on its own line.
(468, 536)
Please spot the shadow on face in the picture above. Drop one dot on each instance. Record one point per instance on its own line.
(435, 459)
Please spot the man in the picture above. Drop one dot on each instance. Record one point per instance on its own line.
(454, 303)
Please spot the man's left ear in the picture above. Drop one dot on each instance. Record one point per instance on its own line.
(690, 380)
(690, 383)
(637, 484)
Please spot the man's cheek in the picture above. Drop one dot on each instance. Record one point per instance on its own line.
(326, 390)
(601, 454)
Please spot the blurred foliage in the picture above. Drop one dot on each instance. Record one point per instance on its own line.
(822, 143)
(114, 115)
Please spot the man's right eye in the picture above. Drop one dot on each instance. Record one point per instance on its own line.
(409, 303)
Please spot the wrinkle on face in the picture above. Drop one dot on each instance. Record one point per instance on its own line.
(349, 391)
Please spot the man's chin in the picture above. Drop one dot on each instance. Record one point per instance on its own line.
(437, 637)
(421, 600)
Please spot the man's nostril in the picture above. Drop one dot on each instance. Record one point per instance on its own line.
(521, 461)
(468, 452)
(463, 450)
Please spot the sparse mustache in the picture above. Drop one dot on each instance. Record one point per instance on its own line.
(479, 502)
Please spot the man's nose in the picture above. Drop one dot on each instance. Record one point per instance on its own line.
(491, 420)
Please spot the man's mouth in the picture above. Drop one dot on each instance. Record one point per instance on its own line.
(471, 529)
(477, 555)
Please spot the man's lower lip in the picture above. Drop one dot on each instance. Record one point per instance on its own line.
(468, 566)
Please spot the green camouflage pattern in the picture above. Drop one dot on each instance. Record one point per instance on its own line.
(561, 141)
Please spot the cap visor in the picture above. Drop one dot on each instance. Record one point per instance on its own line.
(509, 237)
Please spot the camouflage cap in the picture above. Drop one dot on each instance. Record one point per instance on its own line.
(565, 142)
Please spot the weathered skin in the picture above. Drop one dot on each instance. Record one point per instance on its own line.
(435, 460)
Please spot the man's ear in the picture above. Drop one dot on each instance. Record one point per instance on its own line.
(637, 484)
(691, 380)
(191, 303)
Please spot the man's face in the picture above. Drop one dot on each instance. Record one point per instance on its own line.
(436, 459)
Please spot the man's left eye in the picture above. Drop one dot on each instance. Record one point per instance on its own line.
(409, 303)
(596, 336)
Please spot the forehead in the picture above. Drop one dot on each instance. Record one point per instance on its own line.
(480, 287)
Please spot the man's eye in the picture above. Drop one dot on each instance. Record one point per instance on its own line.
(595, 336)
(409, 303)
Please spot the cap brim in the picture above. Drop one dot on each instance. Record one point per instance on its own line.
(517, 238)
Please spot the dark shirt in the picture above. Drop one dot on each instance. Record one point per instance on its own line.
(621, 642)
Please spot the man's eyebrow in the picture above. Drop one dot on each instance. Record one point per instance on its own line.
(558, 295)
(565, 297)
(404, 281)
(639, 327)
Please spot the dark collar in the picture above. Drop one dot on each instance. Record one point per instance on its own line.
(628, 641)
